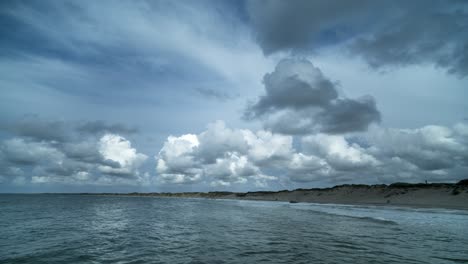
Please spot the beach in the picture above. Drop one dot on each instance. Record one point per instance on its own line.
(435, 195)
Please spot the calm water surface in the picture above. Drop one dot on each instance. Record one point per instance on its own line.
(94, 229)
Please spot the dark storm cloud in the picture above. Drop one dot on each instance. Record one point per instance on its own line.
(286, 90)
(299, 24)
(349, 115)
(299, 99)
(384, 33)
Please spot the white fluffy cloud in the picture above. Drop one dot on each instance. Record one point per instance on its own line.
(221, 156)
(118, 149)
(175, 161)
(109, 159)
(338, 152)
(430, 148)
(307, 168)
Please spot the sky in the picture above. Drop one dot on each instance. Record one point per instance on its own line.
(175, 96)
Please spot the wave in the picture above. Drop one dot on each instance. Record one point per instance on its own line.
(346, 211)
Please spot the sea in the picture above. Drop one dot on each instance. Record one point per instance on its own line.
(36, 228)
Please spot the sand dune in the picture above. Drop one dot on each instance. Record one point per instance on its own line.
(437, 195)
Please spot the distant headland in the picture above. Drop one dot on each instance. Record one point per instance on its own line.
(437, 195)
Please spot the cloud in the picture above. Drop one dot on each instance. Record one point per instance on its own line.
(276, 30)
(330, 158)
(24, 161)
(299, 99)
(232, 168)
(214, 94)
(308, 168)
(429, 148)
(262, 158)
(66, 155)
(218, 140)
(386, 155)
(40, 129)
(266, 148)
(116, 148)
(99, 127)
(87, 151)
(338, 152)
(419, 33)
(74, 56)
(21, 152)
(33, 127)
(383, 33)
(295, 84)
(220, 156)
(135, 50)
(346, 115)
(175, 161)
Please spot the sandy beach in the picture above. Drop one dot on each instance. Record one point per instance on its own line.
(437, 195)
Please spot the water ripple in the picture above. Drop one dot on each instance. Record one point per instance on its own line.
(85, 229)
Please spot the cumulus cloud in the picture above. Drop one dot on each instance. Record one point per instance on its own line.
(232, 168)
(23, 157)
(430, 148)
(299, 99)
(21, 152)
(307, 168)
(338, 152)
(383, 33)
(385, 155)
(295, 84)
(116, 148)
(87, 151)
(344, 115)
(220, 156)
(330, 158)
(175, 161)
(67, 156)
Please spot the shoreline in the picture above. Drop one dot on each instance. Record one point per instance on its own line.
(436, 195)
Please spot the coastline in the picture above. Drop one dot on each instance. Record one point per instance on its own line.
(436, 195)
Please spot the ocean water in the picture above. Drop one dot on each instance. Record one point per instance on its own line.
(98, 229)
